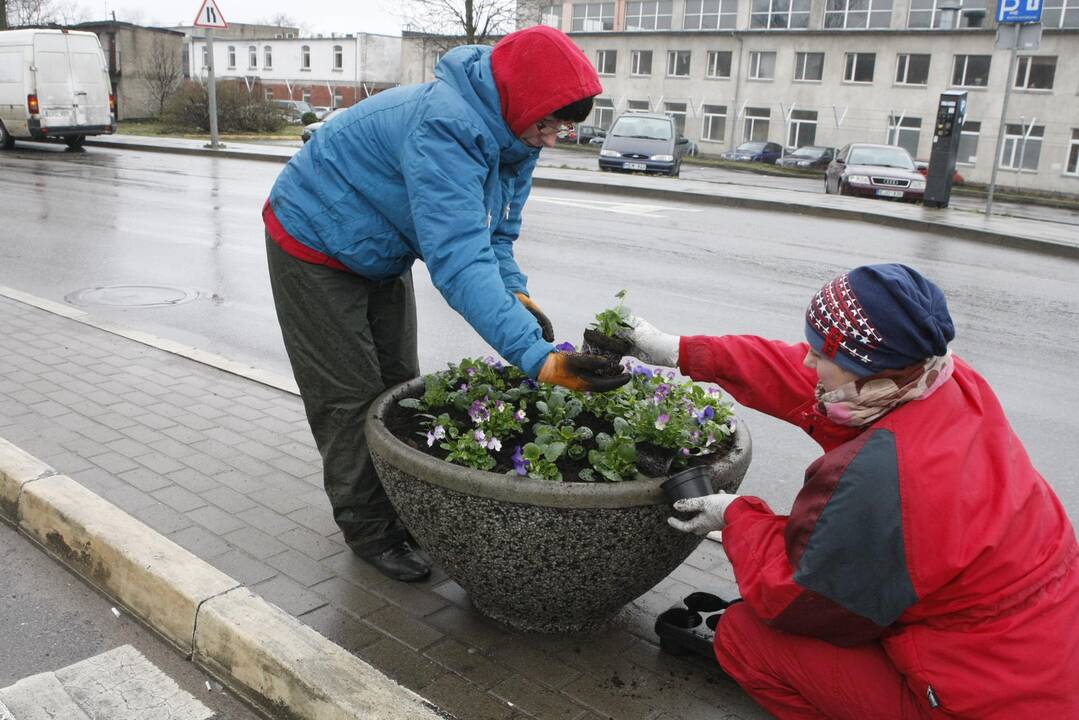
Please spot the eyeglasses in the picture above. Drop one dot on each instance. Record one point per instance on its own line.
(553, 126)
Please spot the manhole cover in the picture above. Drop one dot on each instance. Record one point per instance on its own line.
(136, 296)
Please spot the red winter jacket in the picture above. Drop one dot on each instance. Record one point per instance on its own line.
(929, 530)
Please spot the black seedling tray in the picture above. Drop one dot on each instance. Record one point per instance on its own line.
(690, 628)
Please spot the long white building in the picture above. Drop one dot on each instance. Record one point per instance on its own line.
(831, 72)
(334, 71)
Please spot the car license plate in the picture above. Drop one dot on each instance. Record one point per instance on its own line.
(890, 193)
(634, 166)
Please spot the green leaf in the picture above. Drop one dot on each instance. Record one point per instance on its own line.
(554, 451)
(413, 403)
(602, 440)
(627, 452)
(583, 433)
(587, 475)
(620, 425)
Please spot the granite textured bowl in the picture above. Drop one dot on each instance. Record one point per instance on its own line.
(538, 556)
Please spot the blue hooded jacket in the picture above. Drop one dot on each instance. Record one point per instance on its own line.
(429, 172)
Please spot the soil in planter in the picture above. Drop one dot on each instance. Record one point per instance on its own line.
(653, 461)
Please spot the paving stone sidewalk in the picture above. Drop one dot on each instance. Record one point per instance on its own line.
(226, 467)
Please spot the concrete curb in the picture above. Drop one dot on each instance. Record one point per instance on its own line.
(261, 652)
(985, 235)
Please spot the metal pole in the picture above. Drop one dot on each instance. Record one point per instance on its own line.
(214, 144)
(1000, 131)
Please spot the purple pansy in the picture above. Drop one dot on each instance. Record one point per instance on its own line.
(565, 347)
(519, 463)
(662, 420)
(438, 433)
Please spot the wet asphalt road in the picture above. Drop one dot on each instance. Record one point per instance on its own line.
(71, 222)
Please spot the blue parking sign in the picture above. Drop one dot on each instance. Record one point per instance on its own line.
(1019, 11)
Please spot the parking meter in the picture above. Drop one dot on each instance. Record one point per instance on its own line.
(951, 112)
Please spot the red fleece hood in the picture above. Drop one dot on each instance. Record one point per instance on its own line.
(537, 71)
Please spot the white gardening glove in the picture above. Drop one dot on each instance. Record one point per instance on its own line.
(710, 510)
(649, 344)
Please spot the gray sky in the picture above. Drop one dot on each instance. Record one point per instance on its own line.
(318, 16)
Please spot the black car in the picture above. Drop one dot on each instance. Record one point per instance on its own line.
(808, 156)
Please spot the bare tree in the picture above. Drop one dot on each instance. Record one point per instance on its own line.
(465, 22)
(69, 12)
(3, 14)
(162, 70)
(18, 13)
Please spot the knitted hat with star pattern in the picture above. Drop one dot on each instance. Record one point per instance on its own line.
(879, 317)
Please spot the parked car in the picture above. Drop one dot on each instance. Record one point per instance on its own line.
(756, 151)
(881, 171)
(922, 166)
(643, 142)
(582, 134)
(808, 156)
(310, 130)
(321, 111)
(54, 84)
(293, 110)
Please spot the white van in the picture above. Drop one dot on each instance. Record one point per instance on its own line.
(53, 84)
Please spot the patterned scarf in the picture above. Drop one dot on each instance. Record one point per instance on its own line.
(863, 401)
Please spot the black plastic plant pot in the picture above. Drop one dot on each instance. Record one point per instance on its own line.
(682, 632)
(703, 602)
(689, 483)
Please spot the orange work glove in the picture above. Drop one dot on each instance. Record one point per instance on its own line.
(579, 371)
(544, 322)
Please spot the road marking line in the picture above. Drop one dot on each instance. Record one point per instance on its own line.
(622, 208)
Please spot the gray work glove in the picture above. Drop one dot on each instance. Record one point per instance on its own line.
(650, 345)
(709, 510)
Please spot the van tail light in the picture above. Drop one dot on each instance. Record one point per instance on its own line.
(112, 103)
(32, 104)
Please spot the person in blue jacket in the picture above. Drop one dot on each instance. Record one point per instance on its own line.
(437, 172)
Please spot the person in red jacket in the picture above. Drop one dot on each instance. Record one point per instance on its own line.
(926, 569)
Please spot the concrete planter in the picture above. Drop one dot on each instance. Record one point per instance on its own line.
(538, 556)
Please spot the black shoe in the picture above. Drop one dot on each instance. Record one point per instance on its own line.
(401, 562)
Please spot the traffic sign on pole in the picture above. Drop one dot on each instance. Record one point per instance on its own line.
(1019, 11)
(210, 16)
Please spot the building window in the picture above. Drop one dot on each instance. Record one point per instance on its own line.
(338, 57)
(1060, 14)
(640, 62)
(762, 65)
(1073, 154)
(1021, 149)
(338, 98)
(779, 14)
(802, 130)
(593, 17)
(648, 15)
(968, 142)
(232, 57)
(971, 70)
(268, 94)
(551, 16)
(808, 66)
(714, 126)
(678, 63)
(205, 56)
(719, 64)
(858, 14)
(606, 61)
(859, 67)
(305, 57)
(710, 15)
(638, 105)
(252, 57)
(905, 133)
(267, 57)
(1035, 73)
(927, 14)
(756, 124)
(603, 113)
(306, 95)
(677, 111)
(911, 69)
